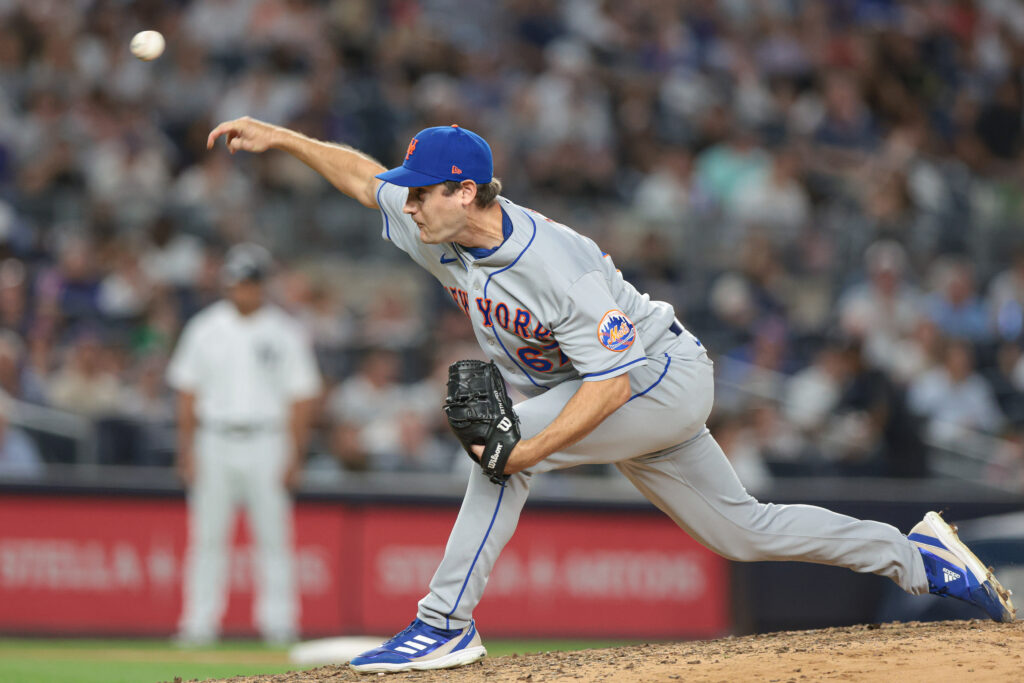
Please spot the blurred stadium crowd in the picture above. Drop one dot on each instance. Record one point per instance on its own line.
(830, 193)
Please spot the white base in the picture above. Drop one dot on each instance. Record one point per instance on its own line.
(332, 650)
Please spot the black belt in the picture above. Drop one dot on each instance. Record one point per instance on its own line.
(239, 429)
(677, 329)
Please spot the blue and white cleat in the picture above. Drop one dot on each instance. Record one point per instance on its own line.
(420, 647)
(955, 572)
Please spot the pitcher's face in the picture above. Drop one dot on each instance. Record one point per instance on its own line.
(439, 216)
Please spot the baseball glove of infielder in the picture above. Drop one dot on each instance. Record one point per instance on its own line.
(480, 413)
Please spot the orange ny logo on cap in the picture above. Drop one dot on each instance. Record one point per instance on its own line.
(412, 148)
(456, 170)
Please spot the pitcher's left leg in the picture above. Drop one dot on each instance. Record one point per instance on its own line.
(486, 522)
(443, 635)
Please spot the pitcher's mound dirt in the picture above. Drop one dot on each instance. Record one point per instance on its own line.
(903, 652)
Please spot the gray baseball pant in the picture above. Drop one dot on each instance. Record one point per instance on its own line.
(659, 442)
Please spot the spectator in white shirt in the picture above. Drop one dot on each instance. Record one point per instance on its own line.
(954, 399)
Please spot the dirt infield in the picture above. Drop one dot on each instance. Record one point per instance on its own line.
(939, 651)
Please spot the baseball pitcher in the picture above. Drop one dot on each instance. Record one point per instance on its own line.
(611, 376)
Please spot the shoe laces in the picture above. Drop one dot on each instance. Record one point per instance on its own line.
(400, 637)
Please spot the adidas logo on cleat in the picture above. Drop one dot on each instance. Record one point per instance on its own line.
(954, 571)
(411, 647)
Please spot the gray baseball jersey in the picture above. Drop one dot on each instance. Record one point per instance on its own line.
(547, 306)
(553, 312)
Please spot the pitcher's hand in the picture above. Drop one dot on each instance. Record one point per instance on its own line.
(246, 134)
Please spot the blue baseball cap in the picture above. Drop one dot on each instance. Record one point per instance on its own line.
(443, 153)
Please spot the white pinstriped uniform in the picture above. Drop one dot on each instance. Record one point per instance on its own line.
(246, 373)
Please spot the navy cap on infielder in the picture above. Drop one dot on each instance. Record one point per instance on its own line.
(246, 262)
(443, 153)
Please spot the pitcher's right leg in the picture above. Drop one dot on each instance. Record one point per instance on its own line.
(695, 485)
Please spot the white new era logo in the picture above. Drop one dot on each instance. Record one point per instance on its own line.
(949, 575)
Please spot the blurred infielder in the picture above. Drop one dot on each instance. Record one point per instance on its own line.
(246, 379)
(612, 377)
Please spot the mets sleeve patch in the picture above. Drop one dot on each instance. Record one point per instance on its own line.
(616, 332)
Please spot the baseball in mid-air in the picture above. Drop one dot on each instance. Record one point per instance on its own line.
(147, 45)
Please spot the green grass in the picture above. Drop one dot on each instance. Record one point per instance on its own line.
(24, 660)
(131, 661)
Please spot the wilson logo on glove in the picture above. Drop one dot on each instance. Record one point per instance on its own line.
(480, 413)
(494, 458)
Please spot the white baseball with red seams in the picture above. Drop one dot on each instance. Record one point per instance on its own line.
(147, 45)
